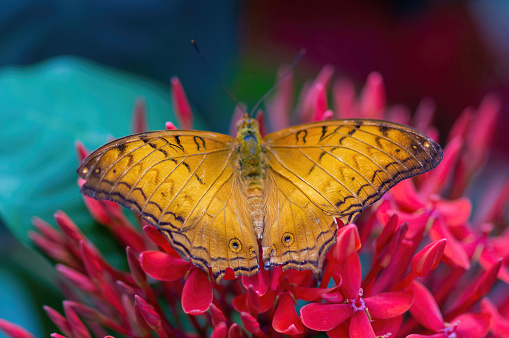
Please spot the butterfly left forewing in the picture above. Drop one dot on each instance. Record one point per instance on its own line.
(344, 166)
(180, 182)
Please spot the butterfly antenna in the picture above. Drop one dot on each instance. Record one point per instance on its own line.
(210, 69)
(288, 71)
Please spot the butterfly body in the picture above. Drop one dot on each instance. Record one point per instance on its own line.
(218, 199)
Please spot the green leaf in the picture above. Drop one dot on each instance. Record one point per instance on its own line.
(44, 109)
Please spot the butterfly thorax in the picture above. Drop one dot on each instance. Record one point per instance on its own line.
(251, 167)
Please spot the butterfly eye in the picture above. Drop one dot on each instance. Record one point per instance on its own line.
(287, 239)
(235, 245)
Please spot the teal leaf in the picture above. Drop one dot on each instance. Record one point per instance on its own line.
(44, 109)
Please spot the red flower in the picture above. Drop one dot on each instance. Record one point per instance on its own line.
(348, 311)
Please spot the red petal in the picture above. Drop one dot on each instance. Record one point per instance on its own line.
(58, 319)
(472, 325)
(220, 331)
(239, 303)
(181, 105)
(351, 274)
(250, 323)
(286, 319)
(78, 329)
(454, 213)
(68, 227)
(136, 271)
(436, 182)
(454, 251)
(234, 331)
(162, 266)
(360, 326)
(389, 304)
(406, 196)
(438, 335)
(347, 242)
(425, 309)
(387, 233)
(252, 300)
(260, 282)
(340, 331)
(197, 293)
(382, 327)
(14, 331)
(325, 317)
(157, 237)
(499, 324)
(217, 315)
(311, 294)
(80, 280)
(428, 258)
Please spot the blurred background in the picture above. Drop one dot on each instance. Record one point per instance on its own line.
(72, 70)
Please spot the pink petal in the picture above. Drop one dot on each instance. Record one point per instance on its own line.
(425, 309)
(428, 258)
(372, 99)
(360, 326)
(389, 304)
(320, 106)
(181, 105)
(472, 325)
(406, 196)
(81, 152)
(344, 99)
(170, 126)
(148, 313)
(424, 114)
(340, 331)
(280, 107)
(197, 293)
(455, 213)
(59, 320)
(436, 182)
(325, 317)
(454, 251)
(438, 335)
(286, 320)
(14, 331)
(162, 266)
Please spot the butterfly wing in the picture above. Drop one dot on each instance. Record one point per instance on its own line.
(339, 168)
(297, 233)
(180, 182)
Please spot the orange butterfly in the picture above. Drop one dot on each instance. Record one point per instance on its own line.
(218, 199)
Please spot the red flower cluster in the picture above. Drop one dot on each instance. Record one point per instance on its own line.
(418, 263)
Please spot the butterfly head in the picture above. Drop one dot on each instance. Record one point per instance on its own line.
(248, 128)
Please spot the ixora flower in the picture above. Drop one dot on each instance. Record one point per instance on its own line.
(421, 262)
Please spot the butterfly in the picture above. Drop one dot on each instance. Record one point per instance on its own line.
(219, 200)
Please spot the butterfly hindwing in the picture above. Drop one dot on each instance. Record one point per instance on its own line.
(297, 233)
(344, 166)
